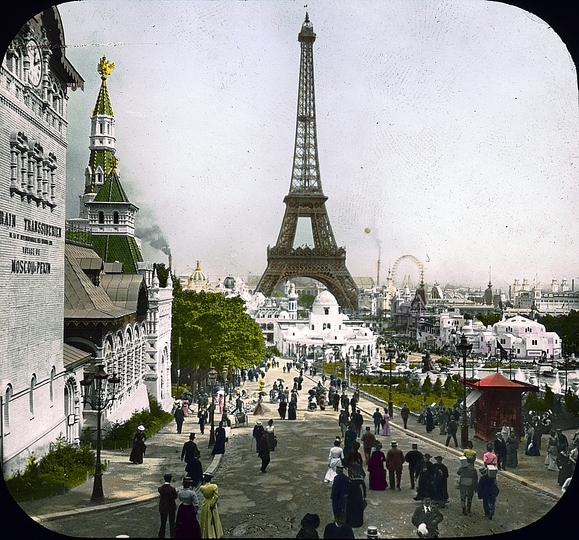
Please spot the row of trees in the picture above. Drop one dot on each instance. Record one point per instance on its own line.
(214, 331)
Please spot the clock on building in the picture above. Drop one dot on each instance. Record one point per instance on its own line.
(35, 69)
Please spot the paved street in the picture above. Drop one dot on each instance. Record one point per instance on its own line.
(271, 505)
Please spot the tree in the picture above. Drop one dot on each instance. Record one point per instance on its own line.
(567, 327)
(449, 387)
(306, 300)
(215, 331)
(489, 319)
(427, 386)
(437, 388)
(162, 274)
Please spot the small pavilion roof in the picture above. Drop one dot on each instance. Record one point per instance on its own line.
(498, 380)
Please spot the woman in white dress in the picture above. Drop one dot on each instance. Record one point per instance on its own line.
(334, 459)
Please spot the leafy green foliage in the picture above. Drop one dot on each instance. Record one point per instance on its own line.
(61, 469)
(427, 386)
(306, 300)
(121, 434)
(437, 387)
(567, 327)
(162, 274)
(215, 331)
(489, 319)
(572, 403)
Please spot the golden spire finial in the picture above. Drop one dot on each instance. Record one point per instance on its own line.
(114, 163)
(105, 68)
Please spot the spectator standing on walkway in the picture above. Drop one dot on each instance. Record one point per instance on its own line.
(190, 449)
(487, 490)
(467, 483)
(405, 414)
(179, 416)
(426, 519)
(187, 523)
(167, 506)
(440, 482)
(339, 490)
(368, 442)
(386, 423)
(354, 457)
(356, 497)
(335, 458)
(343, 421)
(377, 417)
(194, 470)
(220, 440)
(376, 470)
(500, 449)
(429, 420)
(264, 453)
(139, 446)
(349, 439)
(489, 457)
(202, 418)
(309, 524)
(413, 458)
(269, 432)
(425, 478)
(258, 432)
(512, 449)
(210, 521)
(357, 420)
(451, 429)
(469, 451)
(338, 528)
(394, 464)
(344, 401)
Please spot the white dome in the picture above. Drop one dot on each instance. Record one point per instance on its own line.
(325, 298)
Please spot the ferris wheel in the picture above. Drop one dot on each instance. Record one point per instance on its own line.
(413, 259)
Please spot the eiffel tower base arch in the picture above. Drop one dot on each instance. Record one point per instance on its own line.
(328, 268)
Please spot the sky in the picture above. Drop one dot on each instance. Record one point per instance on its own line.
(447, 130)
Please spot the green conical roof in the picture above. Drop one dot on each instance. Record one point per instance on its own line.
(124, 249)
(112, 190)
(103, 104)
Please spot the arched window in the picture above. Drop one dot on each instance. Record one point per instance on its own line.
(31, 396)
(101, 217)
(7, 398)
(116, 218)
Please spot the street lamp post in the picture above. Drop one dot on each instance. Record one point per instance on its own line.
(224, 417)
(358, 351)
(178, 366)
(464, 347)
(391, 355)
(100, 398)
(212, 378)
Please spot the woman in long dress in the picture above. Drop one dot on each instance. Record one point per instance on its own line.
(512, 449)
(292, 410)
(186, 523)
(552, 452)
(269, 432)
(356, 497)
(220, 439)
(334, 459)
(139, 446)
(376, 470)
(532, 444)
(210, 520)
(386, 423)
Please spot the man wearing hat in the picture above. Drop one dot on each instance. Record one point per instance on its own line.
(413, 458)
(440, 482)
(425, 479)
(339, 528)
(258, 432)
(167, 506)
(309, 524)
(426, 519)
(339, 490)
(487, 491)
(394, 464)
(467, 484)
(190, 450)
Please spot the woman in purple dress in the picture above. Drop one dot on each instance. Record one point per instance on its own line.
(376, 470)
(187, 522)
(386, 423)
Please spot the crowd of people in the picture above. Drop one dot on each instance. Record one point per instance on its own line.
(357, 463)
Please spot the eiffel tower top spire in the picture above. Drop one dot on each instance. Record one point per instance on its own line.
(306, 167)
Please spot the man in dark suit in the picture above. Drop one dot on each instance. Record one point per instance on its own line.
(426, 519)
(179, 415)
(190, 450)
(167, 506)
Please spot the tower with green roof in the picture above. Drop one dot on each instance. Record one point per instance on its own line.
(104, 204)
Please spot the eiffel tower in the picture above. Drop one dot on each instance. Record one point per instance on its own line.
(306, 204)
